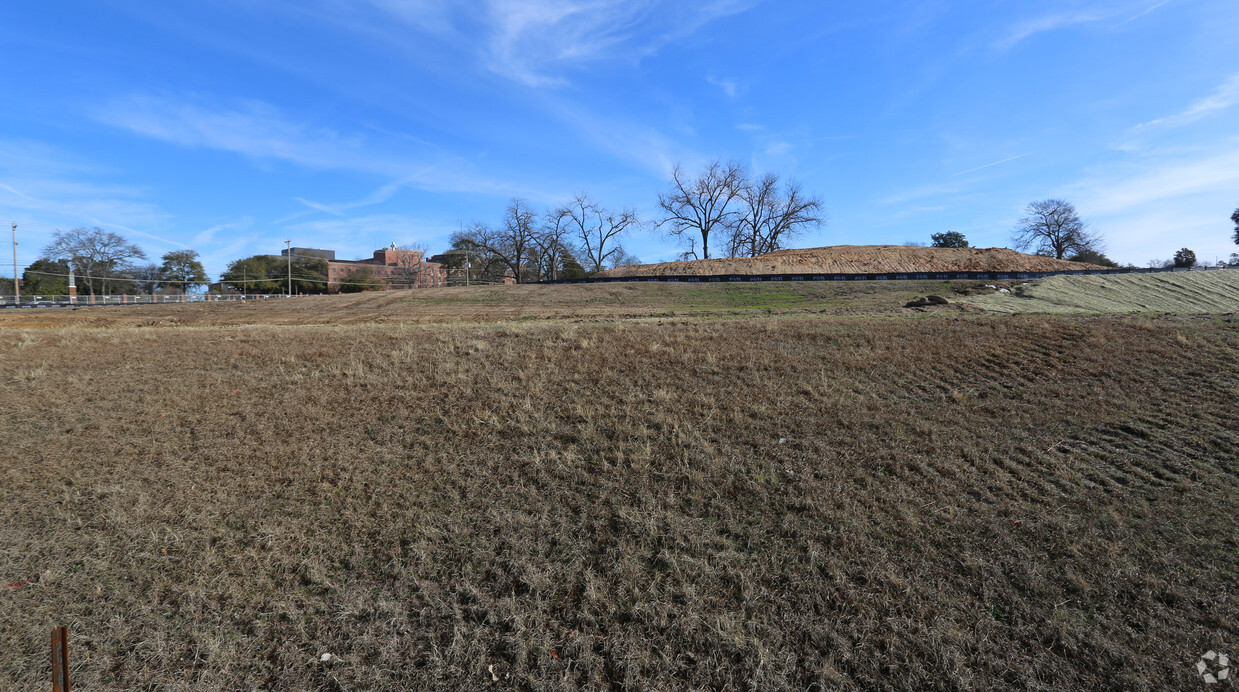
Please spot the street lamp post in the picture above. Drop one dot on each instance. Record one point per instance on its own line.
(17, 291)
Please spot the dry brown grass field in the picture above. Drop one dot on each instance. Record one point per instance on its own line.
(801, 489)
(506, 303)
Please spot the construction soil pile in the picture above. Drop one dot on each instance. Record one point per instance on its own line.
(860, 259)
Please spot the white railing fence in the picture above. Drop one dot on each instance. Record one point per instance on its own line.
(38, 301)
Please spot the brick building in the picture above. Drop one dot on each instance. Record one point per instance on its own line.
(394, 267)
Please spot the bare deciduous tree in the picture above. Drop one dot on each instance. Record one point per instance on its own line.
(411, 269)
(93, 252)
(510, 243)
(696, 207)
(769, 216)
(1052, 227)
(477, 245)
(550, 241)
(621, 258)
(598, 229)
(147, 278)
(518, 233)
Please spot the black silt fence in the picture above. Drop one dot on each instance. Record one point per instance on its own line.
(887, 276)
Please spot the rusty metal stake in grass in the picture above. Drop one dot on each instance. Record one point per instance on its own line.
(60, 659)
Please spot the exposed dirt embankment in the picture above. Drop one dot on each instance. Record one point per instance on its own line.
(860, 259)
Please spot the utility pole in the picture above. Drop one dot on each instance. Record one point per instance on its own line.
(467, 265)
(17, 291)
(289, 243)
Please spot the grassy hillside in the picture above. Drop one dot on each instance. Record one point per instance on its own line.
(1187, 292)
(508, 303)
(751, 503)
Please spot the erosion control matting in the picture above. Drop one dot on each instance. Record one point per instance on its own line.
(1214, 291)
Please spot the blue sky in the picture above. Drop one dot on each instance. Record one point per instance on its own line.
(228, 127)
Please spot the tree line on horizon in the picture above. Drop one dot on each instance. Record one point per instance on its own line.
(723, 204)
(102, 261)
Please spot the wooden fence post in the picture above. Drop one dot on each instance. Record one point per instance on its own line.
(60, 659)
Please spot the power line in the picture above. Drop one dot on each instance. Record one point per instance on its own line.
(37, 226)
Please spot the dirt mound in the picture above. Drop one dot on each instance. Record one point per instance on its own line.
(860, 259)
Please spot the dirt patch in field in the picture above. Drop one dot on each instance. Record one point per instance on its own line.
(1179, 292)
(861, 259)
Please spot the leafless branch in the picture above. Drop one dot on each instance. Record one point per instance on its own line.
(698, 207)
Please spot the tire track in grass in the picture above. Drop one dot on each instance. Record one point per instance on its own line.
(1030, 471)
(1139, 456)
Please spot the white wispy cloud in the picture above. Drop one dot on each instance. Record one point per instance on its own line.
(778, 148)
(920, 192)
(991, 164)
(1032, 27)
(250, 128)
(434, 16)
(44, 188)
(1223, 97)
(1155, 233)
(640, 145)
(728, 87)
(1017, 33)
(1151, 205)
(1146, 11)
(208, 235)
(382, 194)
(532, 37)
(1159, 179)
(16, 192)
(534, 42)
(262, 132)
(142, 234)
(240, 242)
